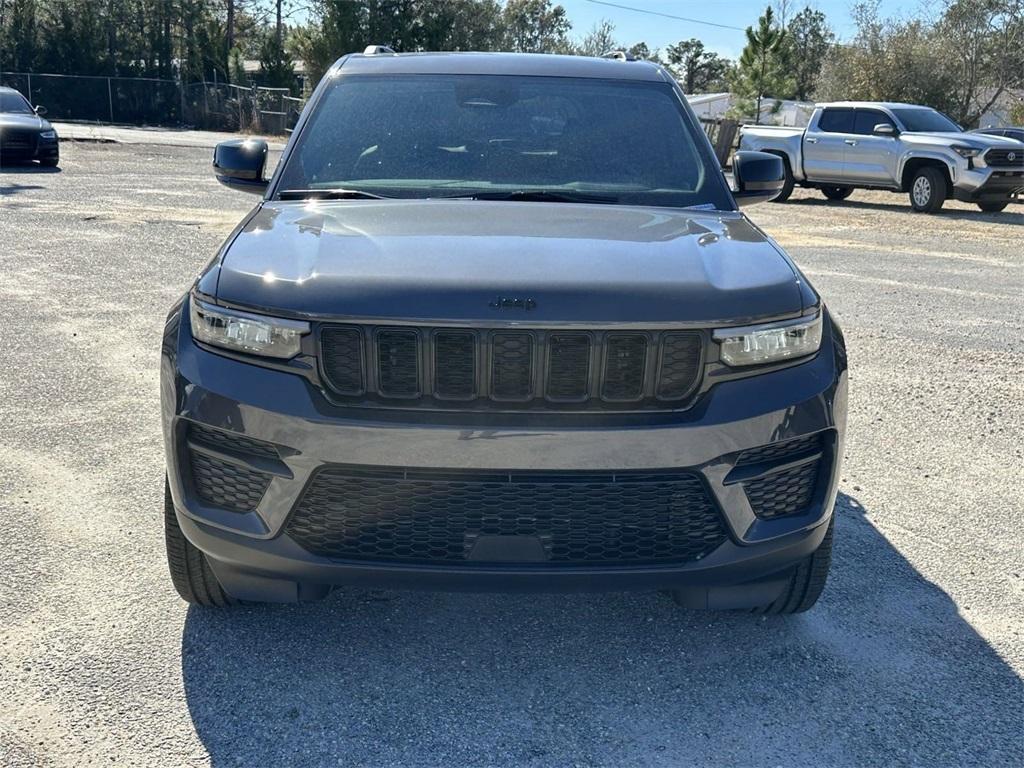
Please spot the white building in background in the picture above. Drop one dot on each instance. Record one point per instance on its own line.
(714, 106)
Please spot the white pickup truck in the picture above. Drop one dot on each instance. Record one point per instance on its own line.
(895, 147)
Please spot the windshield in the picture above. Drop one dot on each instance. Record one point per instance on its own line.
(465, 135)
(14, 102)
(925, 120)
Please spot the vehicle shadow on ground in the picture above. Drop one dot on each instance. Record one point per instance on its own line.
(12, 188)
(1013, 214)
(885, 670)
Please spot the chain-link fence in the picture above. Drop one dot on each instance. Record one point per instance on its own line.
(228, 107)
(151, 101)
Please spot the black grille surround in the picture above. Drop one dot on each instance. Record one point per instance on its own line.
(1000, 158)
(511, 368)
(550, 518)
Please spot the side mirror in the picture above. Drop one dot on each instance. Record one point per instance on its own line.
(884, 129)
(759, 177)
(239, 164)
(40, 110)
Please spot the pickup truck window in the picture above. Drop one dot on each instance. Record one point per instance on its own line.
(452, 135)
(926, 121)
(867, 119)
(836, 120)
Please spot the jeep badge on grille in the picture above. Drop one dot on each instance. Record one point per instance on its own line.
(504, 302)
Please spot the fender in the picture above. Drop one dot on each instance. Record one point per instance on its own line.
(926, 154)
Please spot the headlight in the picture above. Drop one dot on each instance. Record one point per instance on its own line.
(967, 152)
(244, 332)
(770, 343)
(48, 135)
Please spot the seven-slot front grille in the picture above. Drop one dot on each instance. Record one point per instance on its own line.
(415, 366)
(1000, 158)
(435, 516)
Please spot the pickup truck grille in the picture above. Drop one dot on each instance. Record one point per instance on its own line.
(1000, 158)
(511, 368)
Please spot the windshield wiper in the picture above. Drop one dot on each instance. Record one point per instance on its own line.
(328, 194)
(539, 196)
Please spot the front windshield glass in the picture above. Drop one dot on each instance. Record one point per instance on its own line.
(14, 103)
(458, 135)
(925, 120)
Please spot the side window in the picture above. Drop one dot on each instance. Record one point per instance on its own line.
(867, 119)
(836, 120)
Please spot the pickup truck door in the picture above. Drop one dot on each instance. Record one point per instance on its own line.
(871, 159)
(826, 142)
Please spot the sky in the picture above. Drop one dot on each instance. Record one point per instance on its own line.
(658, 31)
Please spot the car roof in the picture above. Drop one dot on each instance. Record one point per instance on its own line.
(530, 64)
(873, 105)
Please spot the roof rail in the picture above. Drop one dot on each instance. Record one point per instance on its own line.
(619, 55)
(372, 50)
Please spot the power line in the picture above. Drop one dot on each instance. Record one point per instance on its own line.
(666, 15)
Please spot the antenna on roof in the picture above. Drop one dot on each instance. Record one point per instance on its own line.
(372, 50)
(619, 55)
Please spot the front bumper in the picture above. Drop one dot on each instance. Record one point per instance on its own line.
(256, 559)
(988, 184)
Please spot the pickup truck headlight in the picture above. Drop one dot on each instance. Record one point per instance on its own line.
(245, 332)
(967, 152)
(769, 343)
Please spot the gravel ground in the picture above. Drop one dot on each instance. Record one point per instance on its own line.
(914, 655)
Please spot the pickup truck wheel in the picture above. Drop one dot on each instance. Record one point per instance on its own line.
(787, 185)
(994, 207)
(928, 190)
(807, 580)
(191, 574)
(837, 193)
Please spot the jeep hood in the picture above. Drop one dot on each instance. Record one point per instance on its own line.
(452, 260)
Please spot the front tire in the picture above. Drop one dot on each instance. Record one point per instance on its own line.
(837, 193)
(928, 190)
(806, 582)
(994, 206)
(191, 574)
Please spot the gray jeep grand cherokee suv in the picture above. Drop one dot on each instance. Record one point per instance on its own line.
(496, 323)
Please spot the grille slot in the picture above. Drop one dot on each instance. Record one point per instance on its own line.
(342, 357)
(568, 366)
(511, 368)
(218, 438)
(680, 365)
(227, 485)
(784, 493)
(454, 364)
(432, 516)
(1000, 158)
(624, 367)
(398, 372)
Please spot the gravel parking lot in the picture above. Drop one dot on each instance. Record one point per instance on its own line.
(914, 656)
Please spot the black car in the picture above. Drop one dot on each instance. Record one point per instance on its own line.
(1010, 132)
(510, 332)
(24, 134)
